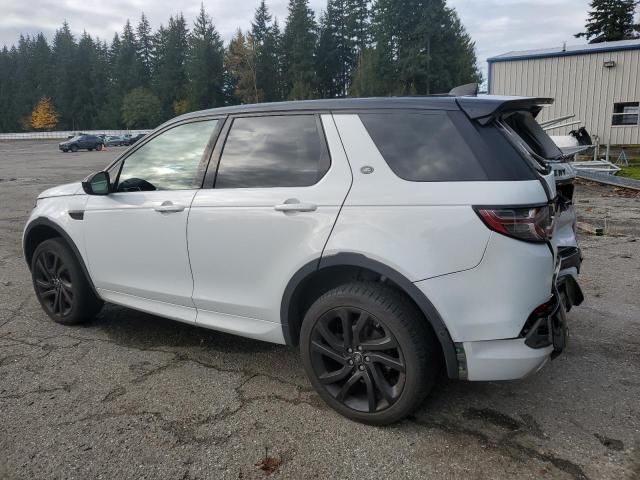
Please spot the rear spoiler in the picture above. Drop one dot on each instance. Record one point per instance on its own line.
(484, 109)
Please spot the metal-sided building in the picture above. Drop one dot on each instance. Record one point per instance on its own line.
(599, 83)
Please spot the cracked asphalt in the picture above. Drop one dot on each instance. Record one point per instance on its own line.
(131, 395)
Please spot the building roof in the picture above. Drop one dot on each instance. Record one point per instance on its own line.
(567, 51)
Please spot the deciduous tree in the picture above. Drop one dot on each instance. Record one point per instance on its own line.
(44, 116)
(141, 109)
(240, 62)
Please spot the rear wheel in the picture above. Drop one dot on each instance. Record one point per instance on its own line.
(368, 352)
(60, 284)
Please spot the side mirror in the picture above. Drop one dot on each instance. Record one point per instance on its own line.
(97, 184)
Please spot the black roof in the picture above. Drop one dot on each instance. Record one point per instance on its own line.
(474, 106)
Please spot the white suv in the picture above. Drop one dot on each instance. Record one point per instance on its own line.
(389, 238)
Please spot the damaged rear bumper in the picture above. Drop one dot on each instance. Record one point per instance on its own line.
(543, 337)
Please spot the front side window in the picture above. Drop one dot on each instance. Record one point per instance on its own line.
(170, 161)
(273, 151)
(423, 147)
(626, 113)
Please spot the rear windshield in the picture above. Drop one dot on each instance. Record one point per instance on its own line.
(530, 131)
(529, 138)
(443, 147)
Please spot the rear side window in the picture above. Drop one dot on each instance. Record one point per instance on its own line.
(423, 147)
(273, 151)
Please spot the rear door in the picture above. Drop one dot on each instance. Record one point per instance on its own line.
(280, 183)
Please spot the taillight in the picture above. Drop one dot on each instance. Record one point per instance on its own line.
(532, 224)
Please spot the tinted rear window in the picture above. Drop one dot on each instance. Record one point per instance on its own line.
(423, 147)
(273, 151)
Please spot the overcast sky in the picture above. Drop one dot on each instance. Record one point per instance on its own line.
(497, 26)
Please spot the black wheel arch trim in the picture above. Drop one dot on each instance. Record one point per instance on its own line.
(42, 221)
(409, 288)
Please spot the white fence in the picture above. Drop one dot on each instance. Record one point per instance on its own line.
(57, 135)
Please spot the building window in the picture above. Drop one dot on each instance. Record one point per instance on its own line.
(626, 113)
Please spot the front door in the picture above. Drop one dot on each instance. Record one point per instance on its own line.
(277, 195)
(135, 237)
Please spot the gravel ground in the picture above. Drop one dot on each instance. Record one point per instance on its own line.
(135, 396)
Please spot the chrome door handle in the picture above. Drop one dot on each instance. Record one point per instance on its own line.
(169, 207)
(295, 206)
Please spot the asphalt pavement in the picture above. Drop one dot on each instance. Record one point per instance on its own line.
(132, 395)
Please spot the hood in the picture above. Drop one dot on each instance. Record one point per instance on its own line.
(63, 190)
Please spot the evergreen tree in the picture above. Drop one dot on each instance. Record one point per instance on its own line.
(170, 50)
(344, 33)
(266, 46)
(102, 89)
(126, 64)
(42, 67)
(358, 25)
(144, 50)
(299, 42)
(395, 47)
(205, 65)
(85, 103)
(63, 74)
(611, 20)
(422, 47)
(8, 117)
(330, 63)
(23, 92)
(279, 60)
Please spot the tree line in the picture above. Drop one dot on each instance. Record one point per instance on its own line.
(143, 77)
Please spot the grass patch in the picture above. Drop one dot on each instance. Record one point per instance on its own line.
(632, 171)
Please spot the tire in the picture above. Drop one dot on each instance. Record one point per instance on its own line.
(65, 150)
(90, 149)
(369, 383)
(99, 147)
(74, 148)
(61, 286)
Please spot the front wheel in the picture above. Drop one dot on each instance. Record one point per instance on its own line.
(369, 352)
(60, 284)
(74, 149)
(99, 147)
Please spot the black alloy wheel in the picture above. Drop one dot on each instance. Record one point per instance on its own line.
(369, 352)
(357, 359)
(53, 283)
(61, 286)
